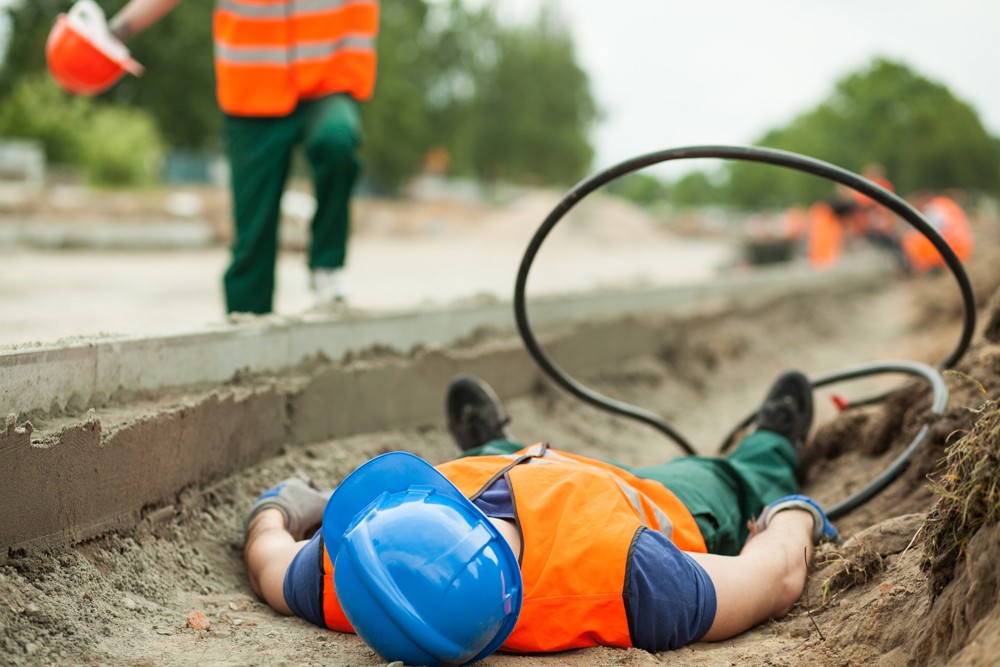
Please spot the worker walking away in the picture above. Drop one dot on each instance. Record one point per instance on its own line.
(288, 74)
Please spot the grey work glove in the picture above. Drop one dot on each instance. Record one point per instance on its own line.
(823, 530)
(296, 498)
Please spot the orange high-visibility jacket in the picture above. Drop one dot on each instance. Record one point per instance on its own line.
(578, 519)
(825, 236)
(269, 54)
(954, 228)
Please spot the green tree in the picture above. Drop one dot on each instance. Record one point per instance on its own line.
(178, 86)
(396, 119)
(505, 102)
(452, 77)
(923, 135)
(640, 188)
(534, 108)
(29, 23)
(917, 129)
(111, 144)
(694, 189)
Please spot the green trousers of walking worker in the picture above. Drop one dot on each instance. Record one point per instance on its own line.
(725, 494)
(260, 154)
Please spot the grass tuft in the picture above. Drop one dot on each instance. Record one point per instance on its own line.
(967, 487)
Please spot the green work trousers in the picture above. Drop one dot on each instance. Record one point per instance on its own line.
(724, 493)
(259, 150)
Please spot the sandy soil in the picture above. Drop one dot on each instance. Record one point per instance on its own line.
(403, 255)
(127, 597)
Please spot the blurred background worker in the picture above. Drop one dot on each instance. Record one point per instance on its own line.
(871, 219)
(287, 74)
(948, 218)
(825, 235)
(874, 222)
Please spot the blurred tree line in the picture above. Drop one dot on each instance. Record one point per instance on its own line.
(923, 136)
(501, 101)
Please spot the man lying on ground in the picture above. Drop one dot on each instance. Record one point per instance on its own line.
(532, 549)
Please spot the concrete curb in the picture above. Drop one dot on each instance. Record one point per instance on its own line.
(259, 386)
(74, 376)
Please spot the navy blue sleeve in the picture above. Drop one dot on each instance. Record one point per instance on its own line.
(303, 585)
(671, 599)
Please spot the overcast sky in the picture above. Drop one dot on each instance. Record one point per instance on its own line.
(673, 73)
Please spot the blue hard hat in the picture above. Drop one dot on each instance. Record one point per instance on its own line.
(420, 572)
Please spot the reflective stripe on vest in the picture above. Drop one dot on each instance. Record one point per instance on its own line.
(641, 503)
(270, 54)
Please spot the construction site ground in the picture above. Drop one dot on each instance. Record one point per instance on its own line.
(125, 504)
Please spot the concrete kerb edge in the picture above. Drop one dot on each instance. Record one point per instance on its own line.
(106, 478)
(57, 377)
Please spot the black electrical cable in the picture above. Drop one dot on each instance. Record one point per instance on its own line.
(938, 404)
(751, 154)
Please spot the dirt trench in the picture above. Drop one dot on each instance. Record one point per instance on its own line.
(126, 597)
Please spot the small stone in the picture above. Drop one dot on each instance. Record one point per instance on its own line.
(129, 603)
(197, 620)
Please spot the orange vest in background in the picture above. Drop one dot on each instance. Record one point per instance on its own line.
(870, 215)
(954, 228)
(269, 54)
(578, 518)
(865, 200)
(825, 236)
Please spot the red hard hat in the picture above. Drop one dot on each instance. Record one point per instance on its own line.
(78, 62)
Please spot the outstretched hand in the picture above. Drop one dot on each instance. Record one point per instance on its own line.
(823, 530)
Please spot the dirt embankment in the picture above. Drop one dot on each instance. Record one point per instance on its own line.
(886, 597)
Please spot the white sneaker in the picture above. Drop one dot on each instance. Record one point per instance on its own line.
(329, 285)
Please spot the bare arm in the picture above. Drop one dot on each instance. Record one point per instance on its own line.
(765, 580)
(138, 15)
(269, 551)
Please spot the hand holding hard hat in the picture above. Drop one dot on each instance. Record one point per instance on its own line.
(83, 56)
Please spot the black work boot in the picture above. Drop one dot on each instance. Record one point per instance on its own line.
(474, 413)
(788, 408)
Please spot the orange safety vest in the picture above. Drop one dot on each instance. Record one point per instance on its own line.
(955, 229)
(578, 518)
(865, 200)
(825, 236)
(269, 54)
(870, 215)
